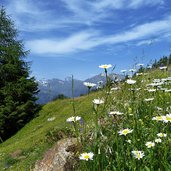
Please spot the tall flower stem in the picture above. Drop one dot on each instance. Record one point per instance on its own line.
(73, 102)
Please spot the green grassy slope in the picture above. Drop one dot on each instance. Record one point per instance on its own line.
(36, 137)
(32, 140)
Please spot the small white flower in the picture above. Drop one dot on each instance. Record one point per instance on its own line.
(134, 89)
(73, 119)
(138, 154)
(51, 119)
(161, 135)
(86, 156)
(89, 85)
(150, 144)
(167, 118)
(158, 118)
(149, 99)
(159, 108)
(158, 140)
(156, 81)
(98, 101)
(163, 79)
(130, 81)
(139, 74)
(155, 84)
(115, 88)
(151, 90)
(163, 67)
(168, 90)
(115, 113)
(105, 66)
(169, 78)
(125, 131)
(129, 141)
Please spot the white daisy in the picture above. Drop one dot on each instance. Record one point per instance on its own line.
(158, 140)
(150, 144)
(105, 66)
(98, 101)
(130, 81)
(125, 131)
(138, 154)
(161, 135)
(73, 119)
(86, 156)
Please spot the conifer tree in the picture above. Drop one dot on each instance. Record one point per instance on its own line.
(17, 89)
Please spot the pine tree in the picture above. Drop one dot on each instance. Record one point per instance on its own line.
(17, 90)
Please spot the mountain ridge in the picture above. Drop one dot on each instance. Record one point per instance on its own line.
(51, 88)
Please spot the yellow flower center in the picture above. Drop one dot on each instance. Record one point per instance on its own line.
(125, 132)
(138, 155)
(168, 118)
(86, 157)
(158, 118)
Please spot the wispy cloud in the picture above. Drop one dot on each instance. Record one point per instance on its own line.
(89, 39)
(34, 16)
(139, 3)
(79, 41)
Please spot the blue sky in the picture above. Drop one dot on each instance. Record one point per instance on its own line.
(76, 36)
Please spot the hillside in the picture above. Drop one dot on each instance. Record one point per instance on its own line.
(33, 139)
(39, 135)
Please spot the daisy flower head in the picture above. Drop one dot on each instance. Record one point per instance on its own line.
(51, 119)
(139, 74)
(125, 131)
(105, 66)
(115, 113)
(98, 101)
(89, 85)
(158, 140)
(130, 81)
(163, 67)
(86, 156)
(161, 135)
(151, 90)
(115, 88)
(168, 90)
(129, 141)
(149, 99)
(150, 144)
(73, 119)
(138, 154)
(158, 118)
(167, 118)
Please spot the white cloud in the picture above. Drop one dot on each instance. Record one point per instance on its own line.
(147, 42)
(80, 41)
(23, 6)
(32, 16)
(90, 39)
(139, 3)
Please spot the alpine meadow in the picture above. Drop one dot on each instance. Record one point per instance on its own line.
(118, 118)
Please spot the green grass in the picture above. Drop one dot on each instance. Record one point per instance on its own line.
(111, 151)
(33, 139)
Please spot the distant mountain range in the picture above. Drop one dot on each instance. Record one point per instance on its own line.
(49, 89)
